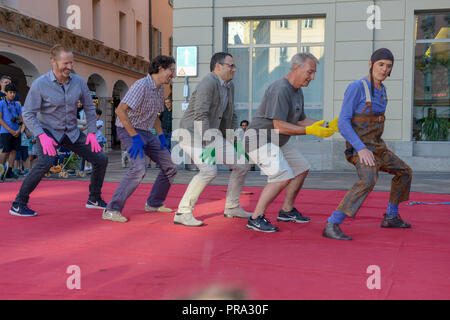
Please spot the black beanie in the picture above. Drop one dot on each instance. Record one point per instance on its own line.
(380, 54)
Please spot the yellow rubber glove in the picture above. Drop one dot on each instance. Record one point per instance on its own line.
(333, 124)
(319, 131)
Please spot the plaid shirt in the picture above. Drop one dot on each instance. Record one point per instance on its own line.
(145, 101)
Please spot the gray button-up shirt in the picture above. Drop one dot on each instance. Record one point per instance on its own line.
(52, 106)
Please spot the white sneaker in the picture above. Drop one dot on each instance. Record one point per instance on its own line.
(162, 208)
(236, 212)
(113, 216)
(186, 219)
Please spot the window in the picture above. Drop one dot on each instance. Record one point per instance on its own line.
(262, 50)
(308, 23)
(122, 31)
(138, 38)
(62, 7)
(431, 109)
(284, 24)
(157, 42)
(96, 19)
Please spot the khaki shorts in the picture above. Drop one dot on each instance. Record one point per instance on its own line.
(280, 164)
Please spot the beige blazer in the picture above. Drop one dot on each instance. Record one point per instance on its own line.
(205, 106)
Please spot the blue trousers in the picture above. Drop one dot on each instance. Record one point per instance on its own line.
(137, 171)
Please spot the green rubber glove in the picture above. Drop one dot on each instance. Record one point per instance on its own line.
(333, 124)
(239, 147)
(209, 155)
(319, 131)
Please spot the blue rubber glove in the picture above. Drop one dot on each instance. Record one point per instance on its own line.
(136, 147)
(163, 140)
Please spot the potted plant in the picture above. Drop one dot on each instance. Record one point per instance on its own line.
(433, 128)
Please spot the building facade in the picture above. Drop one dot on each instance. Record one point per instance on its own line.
(111, 40)
(262, 36)
(162, 29)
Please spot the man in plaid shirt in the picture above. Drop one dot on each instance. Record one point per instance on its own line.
(137, 114)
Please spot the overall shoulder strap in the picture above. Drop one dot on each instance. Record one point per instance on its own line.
(368, 97)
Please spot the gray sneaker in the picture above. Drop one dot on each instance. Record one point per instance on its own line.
(236, 212)
(163, 208)
(186, 219)
(113, 216)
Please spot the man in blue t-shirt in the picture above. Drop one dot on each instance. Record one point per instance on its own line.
(361, 123)
(11, 122)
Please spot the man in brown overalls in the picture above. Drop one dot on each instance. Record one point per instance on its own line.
(361, 123)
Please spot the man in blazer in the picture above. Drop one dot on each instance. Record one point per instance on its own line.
(210, 113)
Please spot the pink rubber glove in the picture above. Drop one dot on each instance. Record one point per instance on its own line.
(48, 145)
(95, 147)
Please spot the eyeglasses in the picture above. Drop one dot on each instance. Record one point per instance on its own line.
(232, 66)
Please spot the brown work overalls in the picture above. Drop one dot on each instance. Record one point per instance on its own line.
(369, 128)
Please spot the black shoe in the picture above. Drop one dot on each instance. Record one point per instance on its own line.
(333, 231)
(394, 222)
(261, 224)
(98, 204)
(292, 216)
(21, 210)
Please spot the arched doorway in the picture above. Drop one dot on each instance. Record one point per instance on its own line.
(119, 90)
(21, 71)
(97, 86)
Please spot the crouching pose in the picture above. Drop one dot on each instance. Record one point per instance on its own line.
(361, 123)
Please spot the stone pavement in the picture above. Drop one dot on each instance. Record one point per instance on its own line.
(426, 182)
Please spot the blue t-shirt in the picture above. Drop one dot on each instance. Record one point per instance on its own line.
(355, 102)
(9, 110)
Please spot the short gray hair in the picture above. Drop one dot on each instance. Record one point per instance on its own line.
(5, 78)
(300, 58)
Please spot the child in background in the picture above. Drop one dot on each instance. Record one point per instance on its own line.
(22, 153)
(32, 152)
(99, 134)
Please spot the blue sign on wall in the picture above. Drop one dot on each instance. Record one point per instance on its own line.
(187, 61)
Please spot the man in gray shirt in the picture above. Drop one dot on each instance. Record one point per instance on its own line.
(281, 109)
(211, 109)
(50, 112)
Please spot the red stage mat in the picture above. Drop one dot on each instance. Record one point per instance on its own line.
(151, 258)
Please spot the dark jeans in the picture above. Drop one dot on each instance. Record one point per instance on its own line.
(137, 171)
(44, 163)
(83, 160)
